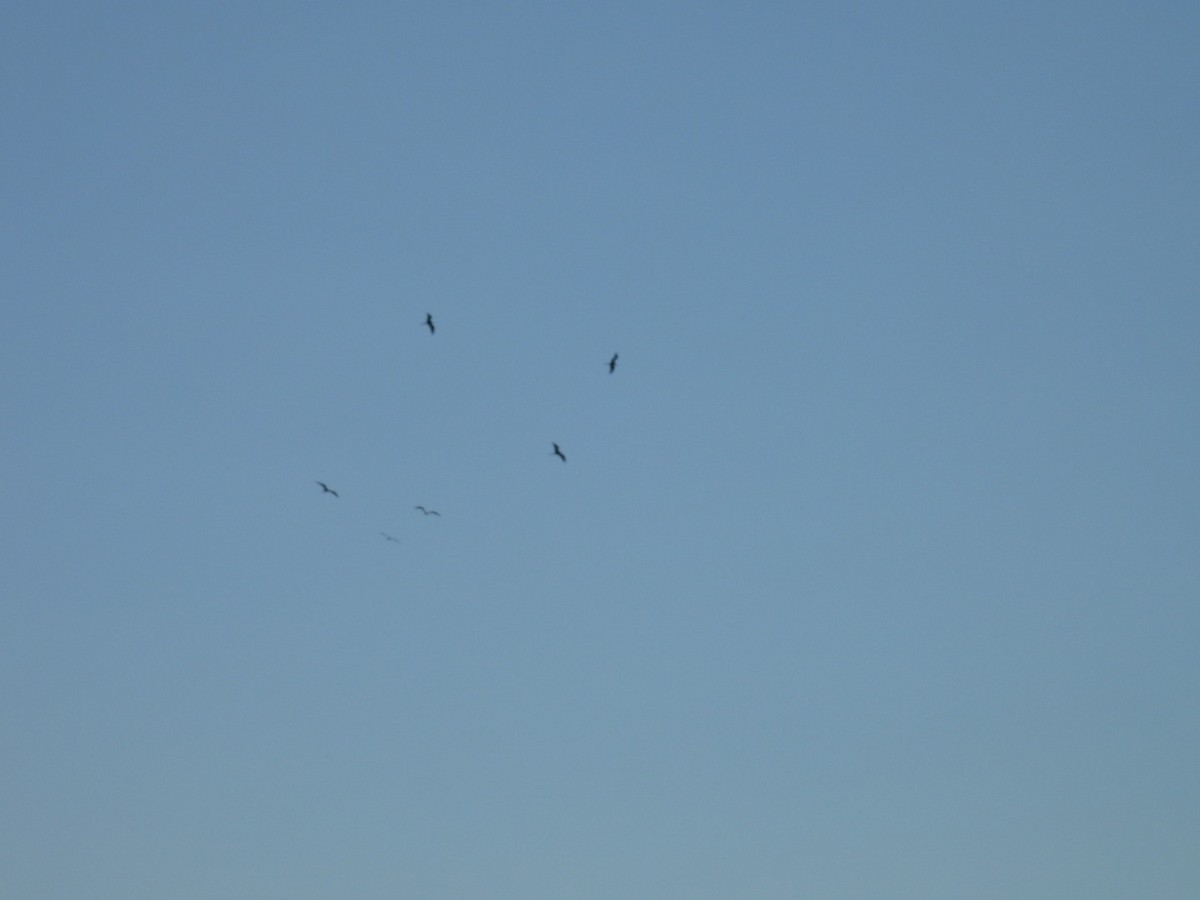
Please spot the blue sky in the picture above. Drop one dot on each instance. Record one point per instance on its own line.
(873, 569)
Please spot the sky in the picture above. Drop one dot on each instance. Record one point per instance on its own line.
(872, 571)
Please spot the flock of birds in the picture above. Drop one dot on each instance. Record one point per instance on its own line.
(557, 451)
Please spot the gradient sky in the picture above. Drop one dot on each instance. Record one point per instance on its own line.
(873, 571)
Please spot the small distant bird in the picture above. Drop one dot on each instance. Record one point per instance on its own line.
(558, 452)
(428, 512)
(429, 323)
(326, 489)
(389, 537)
(612, 363)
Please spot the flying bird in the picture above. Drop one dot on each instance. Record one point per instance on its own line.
(558, 452)
(389, 537)
(612, 363)
(326, 489)
(428, 512)
(429, 323)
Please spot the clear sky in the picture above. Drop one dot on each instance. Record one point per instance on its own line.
(873, 571)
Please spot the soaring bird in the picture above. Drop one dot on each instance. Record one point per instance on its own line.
(612, 363)
(428, 512)
(326, 489)
(429, 323)
(389, 537)
(558, 452)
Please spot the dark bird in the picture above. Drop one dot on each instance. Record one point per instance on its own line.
(428, 512)
(429, 323)
(326, 489)
(612, 363)
(558, 452)
(389, 537)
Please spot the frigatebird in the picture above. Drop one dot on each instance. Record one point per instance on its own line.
(429, 323)
(428, 512)
(558, 452)
(327, 489)
(389, 537)
(612, 363)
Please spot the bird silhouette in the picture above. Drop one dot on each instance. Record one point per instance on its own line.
(612, 363)
(326, 489)
(389, 537)
(429, 323)
(558, 452)
(428, 512)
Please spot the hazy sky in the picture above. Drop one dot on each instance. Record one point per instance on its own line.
(874, 568)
